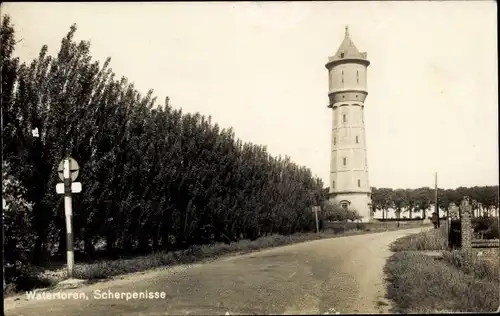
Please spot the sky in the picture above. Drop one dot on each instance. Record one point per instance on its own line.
(259, 67)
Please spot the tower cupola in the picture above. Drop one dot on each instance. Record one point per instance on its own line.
(347, 73)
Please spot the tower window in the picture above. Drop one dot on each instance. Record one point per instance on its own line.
(357, 140)
(344, 160)
(341, 55)
(333, 184)
(357, 76)
(334, 140)
(359, 183)
(344, 118)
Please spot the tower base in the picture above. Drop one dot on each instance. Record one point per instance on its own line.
(360, 202)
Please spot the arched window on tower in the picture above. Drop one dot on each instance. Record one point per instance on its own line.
(333, 184)
(344, 118)
(344, 205)
(334, 141)
(357, 140)
(344, 161)
(359, 183)
(357, 76)
(341, 55)
(342, 77)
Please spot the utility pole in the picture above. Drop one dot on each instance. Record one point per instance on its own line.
(3, 207)
(315, 210)
(3, 243)
(436, 199)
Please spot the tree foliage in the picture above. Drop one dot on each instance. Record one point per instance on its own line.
(409, 200)
(333, 212)
(154, 178)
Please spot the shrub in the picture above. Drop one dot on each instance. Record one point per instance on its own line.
(23, 277)
(18, 233)
(486, 226)
(332, 212)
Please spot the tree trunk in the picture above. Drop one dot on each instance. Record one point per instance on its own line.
(143, 246)
(88, 245)
(110, 244)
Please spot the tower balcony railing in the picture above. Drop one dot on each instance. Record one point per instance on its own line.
(362, 59)
(349, 190)
(354, 88)
(347, 125)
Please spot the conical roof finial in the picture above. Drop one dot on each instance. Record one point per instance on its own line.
(347, 31)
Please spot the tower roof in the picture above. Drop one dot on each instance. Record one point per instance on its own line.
(348, 49)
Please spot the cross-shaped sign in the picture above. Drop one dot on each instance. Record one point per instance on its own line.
(68, 172)
(74, 169)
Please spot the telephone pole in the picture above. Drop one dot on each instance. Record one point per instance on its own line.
(436, 199)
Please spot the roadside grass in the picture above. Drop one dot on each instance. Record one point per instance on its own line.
(419, 283)
(471, 264)
(460, 282)
(106, 269)
(434, 239)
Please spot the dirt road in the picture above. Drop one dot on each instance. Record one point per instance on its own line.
(342, 275)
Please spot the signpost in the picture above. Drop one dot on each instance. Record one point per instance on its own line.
(315, 210)
(68, 171)
(436, 199)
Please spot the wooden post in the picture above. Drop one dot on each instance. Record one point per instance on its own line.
(436, 200)
(315, 210)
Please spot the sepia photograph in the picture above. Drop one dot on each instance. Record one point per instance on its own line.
(249, 158)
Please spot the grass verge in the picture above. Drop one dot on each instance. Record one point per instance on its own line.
(419, 283)
(460, 282)
(107, 269)
(434, 239)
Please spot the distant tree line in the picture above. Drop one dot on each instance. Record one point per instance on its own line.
(407, 201)
(154, 178)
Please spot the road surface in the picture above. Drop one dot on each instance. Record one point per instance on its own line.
(343, 274)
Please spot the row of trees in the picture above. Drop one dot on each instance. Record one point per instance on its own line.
(410, 200)
(154, 178)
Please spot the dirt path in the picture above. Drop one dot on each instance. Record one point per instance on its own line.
(325, 276)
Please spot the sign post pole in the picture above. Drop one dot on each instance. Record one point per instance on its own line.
(68, 172)
(68, 211)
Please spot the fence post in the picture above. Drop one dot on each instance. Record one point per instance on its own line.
(466, 225)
